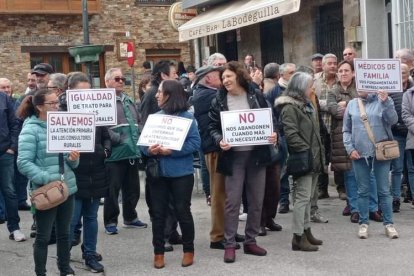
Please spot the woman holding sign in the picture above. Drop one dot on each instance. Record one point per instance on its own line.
(175, 177)
(302, 131)
(378, 113)
(243, 164)
(41, 168)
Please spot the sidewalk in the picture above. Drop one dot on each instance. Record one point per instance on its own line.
(131, 253)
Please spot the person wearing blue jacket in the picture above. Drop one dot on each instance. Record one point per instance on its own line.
(381, 116)
(176, 175)
(41, 168)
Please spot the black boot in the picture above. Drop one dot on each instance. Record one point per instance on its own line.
(312, 240)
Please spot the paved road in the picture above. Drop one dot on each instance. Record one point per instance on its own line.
(130, 252)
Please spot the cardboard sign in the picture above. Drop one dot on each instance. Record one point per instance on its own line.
(101, 102)
(70, 131)
(247, 127)
(166, 130)
(372, 75)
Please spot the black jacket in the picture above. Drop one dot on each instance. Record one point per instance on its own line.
(262, 155)
(149, 103)
(91, 174)
(9, 125)
(202, 101)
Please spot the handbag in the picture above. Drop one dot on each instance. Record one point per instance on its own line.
(52, 194)
(299, 163)
(385, 150)
(152, 168)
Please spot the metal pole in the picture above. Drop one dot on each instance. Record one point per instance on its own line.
(85, 27)
(133, 82)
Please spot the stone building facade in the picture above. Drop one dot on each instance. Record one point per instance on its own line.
(30, 38)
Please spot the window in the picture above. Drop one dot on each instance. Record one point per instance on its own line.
(403, 11)
(64, 63)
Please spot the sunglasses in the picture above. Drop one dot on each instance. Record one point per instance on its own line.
(119, 79)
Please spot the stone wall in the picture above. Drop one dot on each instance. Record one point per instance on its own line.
(147, 25)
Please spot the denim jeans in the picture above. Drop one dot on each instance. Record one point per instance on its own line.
(352, 192)
(20, 184)
(205, 176)
(410, 168)
(88, 210)
(60, 216)
(363, 168)
(397, 166)
(180, 188)
(3, 214)
(8, 191)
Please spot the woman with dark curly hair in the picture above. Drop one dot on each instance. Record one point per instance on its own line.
(243, 165)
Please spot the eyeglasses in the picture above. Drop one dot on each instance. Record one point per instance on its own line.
(118, 79)
(52, 103)
(348, 54)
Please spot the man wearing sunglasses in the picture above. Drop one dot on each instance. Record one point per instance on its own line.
(349, 54)
(122, 165)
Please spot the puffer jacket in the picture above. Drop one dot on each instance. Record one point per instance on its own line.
(124, 135)
(381, 116)
(180, 163)
(262, 154)
(91, 174)
(37, 165)
(301, 128)
(339, 157)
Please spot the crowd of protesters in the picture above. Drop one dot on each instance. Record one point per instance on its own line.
(316, 113)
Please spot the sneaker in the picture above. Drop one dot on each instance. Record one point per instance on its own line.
(318, 218)
(396, 206)
(243, 217)
(93, 265)
(17, 235)
(390, 231)
(208, 199)
(111, 230)
(363, 231)
(97, 256)
(135, 224)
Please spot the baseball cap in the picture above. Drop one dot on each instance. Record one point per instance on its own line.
(317, 56)
(43, 69)
(204, 70)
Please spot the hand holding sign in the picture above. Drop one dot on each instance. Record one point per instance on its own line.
(224, 146)
(74, 155)
(383, 96)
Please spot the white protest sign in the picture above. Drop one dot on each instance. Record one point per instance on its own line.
(372, 75)
(247, 127)
(101, 102)
(166, 130)
(70, 131)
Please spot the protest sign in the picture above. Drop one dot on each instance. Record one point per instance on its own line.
(372, 75)
(168, 131)
(247, 127)
(70, 131)
(101, 102)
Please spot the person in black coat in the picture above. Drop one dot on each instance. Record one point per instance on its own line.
(91, 180)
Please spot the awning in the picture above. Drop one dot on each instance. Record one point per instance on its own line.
(234, 15)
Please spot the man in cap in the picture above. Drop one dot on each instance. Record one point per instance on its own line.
(208, 81)
(317, 63)
(42, 72)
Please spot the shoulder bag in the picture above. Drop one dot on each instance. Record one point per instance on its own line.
(385, 150)
(51, 194)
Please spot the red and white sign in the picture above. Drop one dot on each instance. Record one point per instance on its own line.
(372, 75)
(247, 127)
(130, 53)
(70, 131)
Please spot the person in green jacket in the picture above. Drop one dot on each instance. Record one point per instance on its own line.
(41, 168)
(302, 132)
